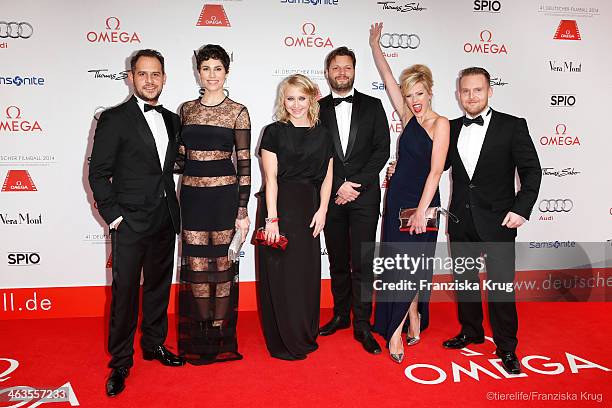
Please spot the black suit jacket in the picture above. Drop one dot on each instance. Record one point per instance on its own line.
(125, 174)
(367, 150)
(490, 194)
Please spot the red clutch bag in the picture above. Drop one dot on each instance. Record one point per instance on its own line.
(260, 238)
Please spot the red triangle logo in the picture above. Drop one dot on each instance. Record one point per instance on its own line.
(213, 15)
(567, 30)
(109, 261)
(18, 180)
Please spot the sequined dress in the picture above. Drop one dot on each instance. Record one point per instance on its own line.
(213, 194)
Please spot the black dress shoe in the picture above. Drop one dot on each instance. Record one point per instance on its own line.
(509, 361)
(461, 340)
(368, 342)
(336, 323)
(164, 356)
(116, 382)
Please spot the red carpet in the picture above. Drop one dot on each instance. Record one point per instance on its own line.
(572, 341)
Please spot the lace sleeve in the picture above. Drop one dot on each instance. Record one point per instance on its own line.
(242, 140)
(179, 163)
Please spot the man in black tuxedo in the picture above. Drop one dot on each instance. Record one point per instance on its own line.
(360, 131)
(130, 175)
(486, 148)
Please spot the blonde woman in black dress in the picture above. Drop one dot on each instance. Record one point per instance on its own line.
(296, 153)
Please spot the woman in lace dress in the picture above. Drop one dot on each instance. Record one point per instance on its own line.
(214, 197)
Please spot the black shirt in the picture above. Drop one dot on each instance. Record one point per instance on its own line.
(302, 153)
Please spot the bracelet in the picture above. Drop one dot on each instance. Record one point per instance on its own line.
(271, 220)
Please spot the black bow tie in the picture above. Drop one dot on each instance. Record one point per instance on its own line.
(338, 101)
(148, 107)
(477, 120)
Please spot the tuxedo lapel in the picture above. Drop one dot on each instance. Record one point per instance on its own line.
(170, 157)
(354, 123)
(489, 140)
(142, 127)
(457, 164)
(330, 111)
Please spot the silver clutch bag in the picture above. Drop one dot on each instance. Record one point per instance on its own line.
(233, 253)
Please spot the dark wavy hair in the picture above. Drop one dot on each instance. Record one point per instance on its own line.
(213, 51)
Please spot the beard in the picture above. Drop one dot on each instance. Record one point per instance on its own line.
(147, 98)
(338, 87)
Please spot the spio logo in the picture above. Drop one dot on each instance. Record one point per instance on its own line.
(556, 205)
(213, 15)
(567, 30)
(14, 123)
(562, 100)
(23, 258)
(487, 6)
(17, 181)
(560, 138)
(112, 34)
(485, 46)
(14, 29)
(308, 38)
(394, 40)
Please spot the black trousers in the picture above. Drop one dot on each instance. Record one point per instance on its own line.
(500, 266)
(152, 253)
(347, 227)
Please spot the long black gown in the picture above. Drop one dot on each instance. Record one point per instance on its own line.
(405, 190)
(213, 195)
(290, 281)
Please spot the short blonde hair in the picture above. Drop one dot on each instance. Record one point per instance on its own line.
(305, 85)
(415, 74)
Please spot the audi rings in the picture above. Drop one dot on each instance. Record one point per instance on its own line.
(556, 205)
(388, 40)
(14, 29)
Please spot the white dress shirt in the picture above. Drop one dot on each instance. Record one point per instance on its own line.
(343, 117)
(158, 128)
(156, 123)
(470, 141)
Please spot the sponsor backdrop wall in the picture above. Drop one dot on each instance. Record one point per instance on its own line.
(63, 62)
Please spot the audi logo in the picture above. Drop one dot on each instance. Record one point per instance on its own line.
(556, 205)
(394, 40)
(14, 29)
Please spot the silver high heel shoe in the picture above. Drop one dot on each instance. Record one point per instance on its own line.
(411, 341)
(398, 358)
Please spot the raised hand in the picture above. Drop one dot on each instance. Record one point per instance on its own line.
(375, 32)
